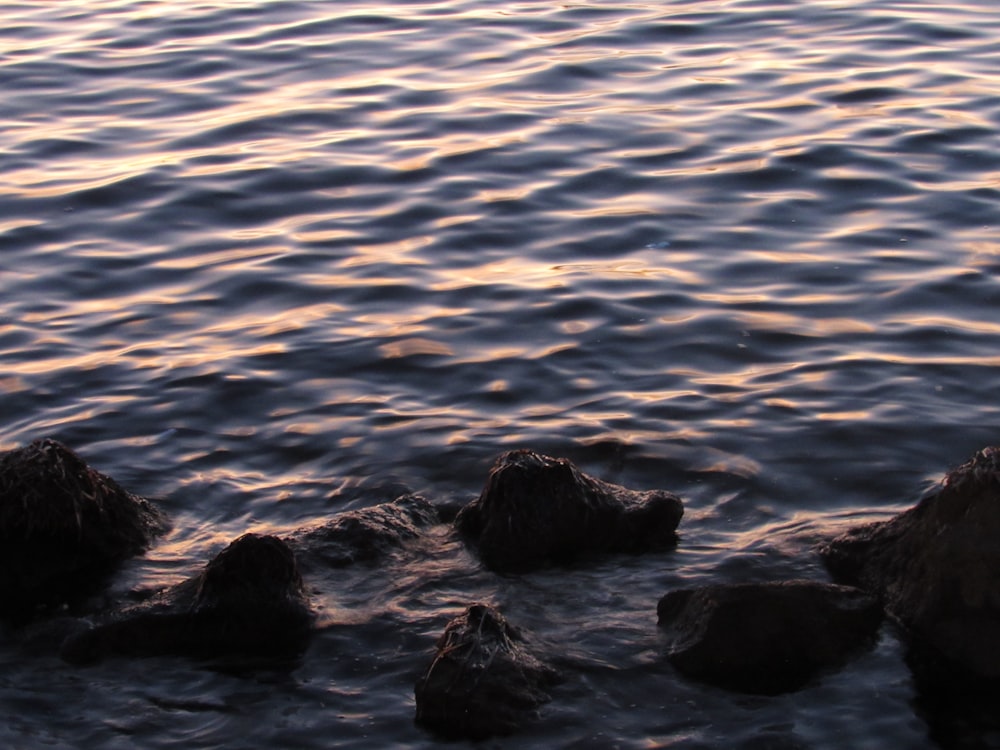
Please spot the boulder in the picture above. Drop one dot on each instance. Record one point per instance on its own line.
(247, 605)
(367, 533)
(64, 527)
(537, 510)
(766, 638)
(936, 569)
(483, 681)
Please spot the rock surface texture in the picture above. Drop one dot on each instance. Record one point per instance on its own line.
(247, 604)
(936, 568)
(766, 638)
(63, 528)
(536, 510)
(483, 680)
(367, 533)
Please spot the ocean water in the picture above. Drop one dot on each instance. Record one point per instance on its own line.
(266, 261)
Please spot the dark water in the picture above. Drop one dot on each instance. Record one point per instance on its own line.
(271, 260)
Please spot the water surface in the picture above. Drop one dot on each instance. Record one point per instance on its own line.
(271, 260)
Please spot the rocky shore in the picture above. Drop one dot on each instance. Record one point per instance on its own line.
(932, 570)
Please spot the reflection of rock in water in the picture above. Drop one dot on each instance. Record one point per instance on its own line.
(536, 510)
(766, 637)
(483, 680)
(63, 528)
(247, 603)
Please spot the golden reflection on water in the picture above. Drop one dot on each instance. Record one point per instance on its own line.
(755, 322)
(411, 347)
(844, 416)
(485, 84)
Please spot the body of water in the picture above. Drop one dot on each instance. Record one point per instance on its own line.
(266, 261)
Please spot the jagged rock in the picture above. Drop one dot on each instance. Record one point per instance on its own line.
(536, 510)
(936, 568)
(64, 527)
(483, 680)
(367, 533)
(766, 638)
(248, 603)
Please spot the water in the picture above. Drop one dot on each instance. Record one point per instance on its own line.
(270, 260)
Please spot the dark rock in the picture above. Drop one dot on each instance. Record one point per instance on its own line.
(248, 604)
(536, 510)
(367, 533)
(966, 718)
(64, 527)
(483, 681)
(936, 568)
(766, 638)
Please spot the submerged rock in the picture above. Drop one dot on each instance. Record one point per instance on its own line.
(536, 510)
(766, 638)
(936, 568)
(367, 533)
(64, 527)
(483, 681)
(248, 603)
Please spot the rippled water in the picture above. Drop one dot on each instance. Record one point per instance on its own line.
(270, 260)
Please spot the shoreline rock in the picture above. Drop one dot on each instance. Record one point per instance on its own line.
(483, 680)
(365, 534)
(247, 604)
(536, 510)
(64, 528)
(766, 638)
(936, 569)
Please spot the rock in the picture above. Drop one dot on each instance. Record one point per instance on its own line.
(936, 569)
(64, 527)
(536, 510)
(483, 681)
(766, 638)
(247, 604)
(367, 533)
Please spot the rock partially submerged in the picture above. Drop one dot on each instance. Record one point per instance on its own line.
(936, 568)
(483, 680)
(766, 638)
(536, 510)
(367, 533)
(63, 528)
(247, 604)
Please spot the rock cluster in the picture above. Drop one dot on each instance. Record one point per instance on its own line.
(64, 527)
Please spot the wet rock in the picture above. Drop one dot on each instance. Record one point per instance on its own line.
(64, 527)
(247, 604)
(367, 533)
(483, 680)
(936, 568)
(766, 638)
(536, 510)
